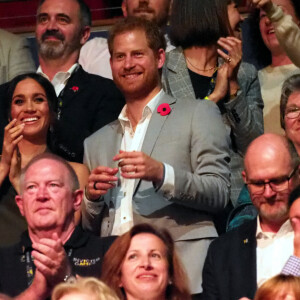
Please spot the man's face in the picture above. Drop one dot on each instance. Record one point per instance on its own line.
(58, 29)
(157, 10)
(135, 67)
(272, 165)
(267, 29)
(47, 201)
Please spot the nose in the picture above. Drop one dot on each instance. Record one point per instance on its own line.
(267, 21)
(129, 63)
(52, 24)
(145, 262)
(42, 193)
(30, 106)
(268, 192)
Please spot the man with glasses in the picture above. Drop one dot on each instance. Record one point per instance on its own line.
(244, 258)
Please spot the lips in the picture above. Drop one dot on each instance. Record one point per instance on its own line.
(146, 276)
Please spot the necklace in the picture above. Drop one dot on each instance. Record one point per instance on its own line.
(201, 70)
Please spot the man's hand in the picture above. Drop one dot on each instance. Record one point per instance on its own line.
(51, 260)
(140, 165)
(100, 181)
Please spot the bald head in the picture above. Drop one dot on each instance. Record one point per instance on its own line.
(268, 149)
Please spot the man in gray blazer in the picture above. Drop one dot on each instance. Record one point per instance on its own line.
(15, 57)
(163, 161)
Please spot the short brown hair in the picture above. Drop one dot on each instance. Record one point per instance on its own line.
(154, 36)
(114, 258)
(277, 285)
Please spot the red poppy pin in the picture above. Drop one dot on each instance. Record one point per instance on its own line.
(164, 109)
(75, 89)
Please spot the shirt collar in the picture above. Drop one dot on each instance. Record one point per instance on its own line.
(285, 228)
(148, 109)
(59, 74)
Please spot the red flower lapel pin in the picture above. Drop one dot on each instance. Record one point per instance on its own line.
(164, 109)
(75, 89)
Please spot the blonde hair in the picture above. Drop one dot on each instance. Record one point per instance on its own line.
(93, 287)
(278, 287)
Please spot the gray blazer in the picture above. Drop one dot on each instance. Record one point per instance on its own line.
(243, 116)
(193, 140)
(15, 57)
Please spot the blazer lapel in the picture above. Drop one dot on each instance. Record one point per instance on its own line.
(248, 258)
(154, 128)
(179, 82)
(75, 86)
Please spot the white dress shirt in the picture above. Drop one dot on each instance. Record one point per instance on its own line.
(133, 141)
(60, 79)
(273, 250)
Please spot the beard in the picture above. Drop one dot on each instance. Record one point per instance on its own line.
(54, 49)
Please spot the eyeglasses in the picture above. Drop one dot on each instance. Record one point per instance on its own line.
(293, 112)
(277, 185)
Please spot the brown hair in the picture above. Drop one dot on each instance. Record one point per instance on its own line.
(198, 23)
(154, 36)
(114, 258)
(89, 286)
(280, 285)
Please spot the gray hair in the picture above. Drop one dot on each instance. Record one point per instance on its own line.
(84, 12)
(73, 179)
(290, 85)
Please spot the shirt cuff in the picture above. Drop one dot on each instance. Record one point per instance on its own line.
(92, 207)
(167, 186)
(292, 266)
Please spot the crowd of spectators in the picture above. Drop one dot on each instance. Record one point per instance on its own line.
(123, 159)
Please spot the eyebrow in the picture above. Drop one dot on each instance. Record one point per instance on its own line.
(58, 15)
(34, 95)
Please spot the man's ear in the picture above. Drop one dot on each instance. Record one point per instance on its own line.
(19, 201)
(86, 31)
(161, 57)
(77, 199)
(244, 176)
(124, 8)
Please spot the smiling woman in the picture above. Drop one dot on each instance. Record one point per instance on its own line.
(142, 262)
(31, 101)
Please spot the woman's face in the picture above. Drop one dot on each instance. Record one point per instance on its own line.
(235, 19)
(292, 126)
(267, 29)
(145, 268)
(30, 106)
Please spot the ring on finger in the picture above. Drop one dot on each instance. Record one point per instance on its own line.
(228, 59)
(95, 187)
